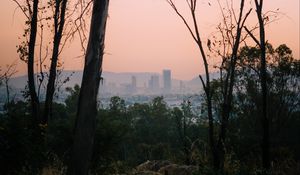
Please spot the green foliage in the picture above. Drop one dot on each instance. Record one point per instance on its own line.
(283, 106)
(72, 99)
(21, 148)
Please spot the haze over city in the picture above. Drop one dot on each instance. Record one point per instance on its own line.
(147, 36)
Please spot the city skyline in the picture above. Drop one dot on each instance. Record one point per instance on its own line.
(167, 78)
(122, 83)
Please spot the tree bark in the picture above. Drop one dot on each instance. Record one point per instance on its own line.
(228, 88)
(59, 21)
(35, 104)
(87, 106)
(7, 90)
(216, 144)
(263, 76)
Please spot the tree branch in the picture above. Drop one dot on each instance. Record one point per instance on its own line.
(182, 18)
(252, 36)
(22, 9)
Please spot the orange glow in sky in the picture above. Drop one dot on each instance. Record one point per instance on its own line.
(147, 36)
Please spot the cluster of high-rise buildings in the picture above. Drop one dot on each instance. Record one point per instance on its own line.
(154, 83)
(151, 84)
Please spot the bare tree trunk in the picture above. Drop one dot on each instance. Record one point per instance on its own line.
(228, 87)
(59, 21)
(11, 70)
(266, 162)
(263, 77)
(35, 104)
(211, 137)
(217, 146)
(7, 92)
(87, 106)
(195, 33)
(207, 90)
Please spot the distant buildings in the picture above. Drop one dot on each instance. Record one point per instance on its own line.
(181, 86)
(167, 81)
(153, 84)
(133, 84)
(143, 83)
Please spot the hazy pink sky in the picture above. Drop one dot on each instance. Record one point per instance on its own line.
(147, 36)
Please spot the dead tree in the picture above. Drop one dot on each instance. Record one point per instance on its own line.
(59, 22)
(87, 107)
(233, 39)
(261, 42)
(35, 103)
(206, 85)
(230, 59)
(263, 72)
(10, 71)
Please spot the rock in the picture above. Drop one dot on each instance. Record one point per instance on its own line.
(146, 173)
(164, 167)
(154, 165)
(175, 169)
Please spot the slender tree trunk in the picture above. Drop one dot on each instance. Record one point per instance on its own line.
(59, 21)
(207, 89)
(87, 106)
(7, 90)
(227, 103)
(263, 77)
(228, 89)
(185, 144)
(206, 85)
(217, 148)
(211, 137)
(35, 104)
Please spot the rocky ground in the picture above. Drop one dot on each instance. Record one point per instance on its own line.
(163, 167)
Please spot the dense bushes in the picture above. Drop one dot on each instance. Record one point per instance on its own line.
(128, 136)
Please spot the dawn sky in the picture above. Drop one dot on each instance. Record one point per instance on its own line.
(147, 36)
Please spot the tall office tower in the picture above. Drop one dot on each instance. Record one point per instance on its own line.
(167, 81)
(133, 82)
(181, 86)
(154, 83)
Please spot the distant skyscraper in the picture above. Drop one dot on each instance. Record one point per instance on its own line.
(167, 81)
(181, 86)
(133, 84)
(154, 83)
(155, 80)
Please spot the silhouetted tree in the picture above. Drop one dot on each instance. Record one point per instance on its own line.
(87, 107)
(59, 22)
(231, 41)
(261, 42)
(27, 54)
(230, 38)
(264, 88)
(283, 94)
(61, 16)
(206, 85)
(6, 76)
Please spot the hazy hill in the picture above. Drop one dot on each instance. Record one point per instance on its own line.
(110, 77)
(120, 79)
